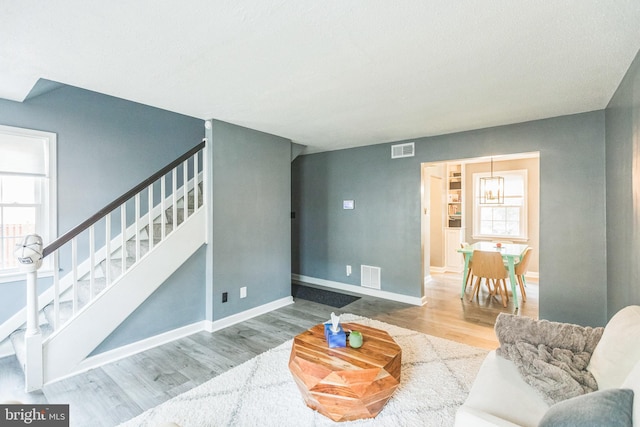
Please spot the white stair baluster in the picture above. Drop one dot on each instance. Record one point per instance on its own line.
(185, 189)
(92, 261)
(196, 196)
(163, 209)
(107, 249)
(150, 232)
(56, 291)
(137, 232)
(74, 272)
(123, 235)
(174, 198)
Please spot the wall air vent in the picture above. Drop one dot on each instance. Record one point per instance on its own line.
(403, 150)
(370, 276)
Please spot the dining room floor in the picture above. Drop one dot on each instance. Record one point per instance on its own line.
(446, 315)
(471, 322)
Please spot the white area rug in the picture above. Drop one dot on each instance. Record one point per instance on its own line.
(436, 376)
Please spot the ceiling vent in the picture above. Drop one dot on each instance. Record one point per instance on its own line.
(403, 150)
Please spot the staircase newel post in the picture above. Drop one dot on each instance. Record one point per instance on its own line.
(29, 255)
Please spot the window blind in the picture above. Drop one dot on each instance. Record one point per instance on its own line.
(20, 154)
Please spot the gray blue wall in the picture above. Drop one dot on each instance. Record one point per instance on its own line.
(106, 146)
(381, 231)
(178, 302)
(623, 192)
(384, 229)
(251, 218)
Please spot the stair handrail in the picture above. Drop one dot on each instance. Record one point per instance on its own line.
(66, 237)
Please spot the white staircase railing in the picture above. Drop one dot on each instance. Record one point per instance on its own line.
(98, 253)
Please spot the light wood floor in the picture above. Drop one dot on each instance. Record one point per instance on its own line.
(121, 390)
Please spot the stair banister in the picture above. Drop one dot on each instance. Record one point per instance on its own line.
(66, 237)
(34, 372)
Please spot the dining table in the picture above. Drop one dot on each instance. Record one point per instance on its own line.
(511, 254)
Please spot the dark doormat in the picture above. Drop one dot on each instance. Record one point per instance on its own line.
(334, 299)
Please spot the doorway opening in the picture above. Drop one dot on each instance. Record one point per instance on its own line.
(452, 215)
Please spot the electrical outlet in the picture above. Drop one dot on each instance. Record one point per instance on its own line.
(225, 296)
(348, 270)
(243, 292)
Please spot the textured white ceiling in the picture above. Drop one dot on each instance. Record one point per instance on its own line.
(330, 74)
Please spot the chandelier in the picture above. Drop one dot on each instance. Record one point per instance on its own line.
(492, 189)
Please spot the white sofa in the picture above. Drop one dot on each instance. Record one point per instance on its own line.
(500, 397)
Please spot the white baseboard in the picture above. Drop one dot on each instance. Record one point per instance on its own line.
(136, 347)
(216, 325)
(166, 337)
(299, 278)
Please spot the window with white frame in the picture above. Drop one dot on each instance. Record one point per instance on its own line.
(507, 220)
(27, 192)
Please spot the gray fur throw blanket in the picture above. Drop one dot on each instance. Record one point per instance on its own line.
(552, 357)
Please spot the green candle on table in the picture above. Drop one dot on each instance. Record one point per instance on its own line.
(355, 339)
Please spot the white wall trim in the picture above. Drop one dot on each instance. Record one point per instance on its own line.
(225, 322)
(136, 347)
(175, 334)
(299, 278)
(438, 270)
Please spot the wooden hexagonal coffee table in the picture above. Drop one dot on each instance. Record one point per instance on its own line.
(346, 383)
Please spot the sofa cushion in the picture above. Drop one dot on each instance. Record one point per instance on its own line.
(633, 382)
(611, 408)
(616, 354)
(500, 391)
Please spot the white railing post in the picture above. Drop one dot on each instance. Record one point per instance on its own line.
(33, 338)
(33, 327)
(29, 255)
